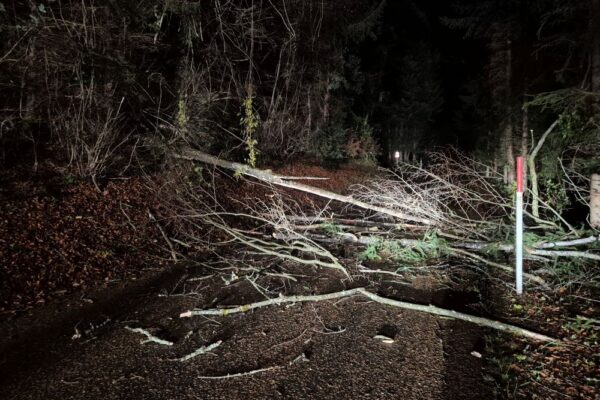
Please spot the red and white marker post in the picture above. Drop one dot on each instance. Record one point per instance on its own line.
(519, 227)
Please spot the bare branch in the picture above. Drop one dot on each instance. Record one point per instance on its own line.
(430, 309)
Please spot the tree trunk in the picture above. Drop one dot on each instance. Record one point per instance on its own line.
(525, 142)
(595, 201)
(510, 154)
(325, 112)
(595, 43)
(508, 131)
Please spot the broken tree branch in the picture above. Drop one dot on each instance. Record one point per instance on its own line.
(349, 238)
(505, 268)
(535, 208)
(353, 222)
(566, 253)
(240, 374)
(539, 249)
(285, 251)
(569, 243)
(150, 337)
(430, 309)
(201, 350)
(265, 176)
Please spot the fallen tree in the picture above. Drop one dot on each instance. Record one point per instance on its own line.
(463, 206)
(283, 181)
(417, 221)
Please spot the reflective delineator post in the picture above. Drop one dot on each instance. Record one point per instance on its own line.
(519, 227)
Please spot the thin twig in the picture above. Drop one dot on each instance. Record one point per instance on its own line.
(201, 350)
(150, 337)
(241, 374)
(497, 265)
(164, 235)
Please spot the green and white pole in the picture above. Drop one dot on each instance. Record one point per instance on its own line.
(519, 227)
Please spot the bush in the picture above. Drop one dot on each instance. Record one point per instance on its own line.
(361, 145)
(90, 132)
(328, 144)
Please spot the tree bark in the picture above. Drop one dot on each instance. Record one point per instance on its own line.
(508, 130)
(525, 143)
(595, 201)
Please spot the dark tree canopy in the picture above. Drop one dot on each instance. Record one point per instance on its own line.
(275, 80)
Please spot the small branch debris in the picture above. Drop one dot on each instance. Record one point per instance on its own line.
(201, 350)
(150, 337)
(301, 358)
(241, 374)
(164, 235)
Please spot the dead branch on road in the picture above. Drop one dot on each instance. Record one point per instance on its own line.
(149, 337)
(430, 309)
(201, 350)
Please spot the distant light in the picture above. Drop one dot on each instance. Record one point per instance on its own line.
(397, 155)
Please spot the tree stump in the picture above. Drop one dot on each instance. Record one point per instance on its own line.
(595, 201)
